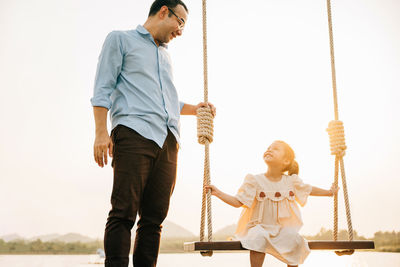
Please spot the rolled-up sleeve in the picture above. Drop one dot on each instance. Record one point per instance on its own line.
(181, 104)
(108, 70)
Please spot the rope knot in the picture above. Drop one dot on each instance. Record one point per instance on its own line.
(336, 137)
(205, 125)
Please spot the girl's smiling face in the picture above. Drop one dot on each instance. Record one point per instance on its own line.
(275, 155)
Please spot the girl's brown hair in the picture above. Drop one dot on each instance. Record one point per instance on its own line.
(293, 166)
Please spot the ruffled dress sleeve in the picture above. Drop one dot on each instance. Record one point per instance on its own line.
(247, 191)
(301, 190)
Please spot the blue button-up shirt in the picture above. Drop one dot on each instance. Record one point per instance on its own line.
(134, 81)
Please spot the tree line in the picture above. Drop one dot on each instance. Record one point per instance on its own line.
(52, 247)
(384, 241)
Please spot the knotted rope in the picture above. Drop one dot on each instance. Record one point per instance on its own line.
(338, 147)
(205, 137)
(336, 137)
(205, 125)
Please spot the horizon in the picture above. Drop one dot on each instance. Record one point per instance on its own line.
(269, 77)
(194, 235)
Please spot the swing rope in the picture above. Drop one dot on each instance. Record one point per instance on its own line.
(205, 137)
(335, 131)
(338, 147)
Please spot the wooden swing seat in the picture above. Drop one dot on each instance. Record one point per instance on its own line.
(314, 245)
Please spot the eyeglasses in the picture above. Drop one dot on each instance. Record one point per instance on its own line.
(180, 20)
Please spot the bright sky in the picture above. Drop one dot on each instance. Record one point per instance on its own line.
(269, 76)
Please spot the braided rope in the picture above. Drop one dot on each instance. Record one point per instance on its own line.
(335, 202)
(205, 58)
(338, 145)
(205, 137)
(346, 200)
(333, 69)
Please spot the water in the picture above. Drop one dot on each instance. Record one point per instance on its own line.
(316, 258)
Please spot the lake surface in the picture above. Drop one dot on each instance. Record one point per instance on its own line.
(316, 258)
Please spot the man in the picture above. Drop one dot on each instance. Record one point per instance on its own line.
(134, 82)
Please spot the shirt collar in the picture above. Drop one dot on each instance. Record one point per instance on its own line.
(142, 30)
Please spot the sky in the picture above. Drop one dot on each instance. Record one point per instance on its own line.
(269, 77)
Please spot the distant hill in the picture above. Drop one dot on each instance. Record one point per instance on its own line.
(74, 237)
(170, 230)
(225, 233)
(67, 238)
(11, 237)
(45, 238)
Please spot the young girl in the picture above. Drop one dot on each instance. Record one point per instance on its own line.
(271, 219)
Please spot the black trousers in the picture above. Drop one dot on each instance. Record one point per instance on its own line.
(144, 179)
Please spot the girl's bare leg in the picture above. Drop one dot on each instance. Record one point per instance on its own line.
(256, 258)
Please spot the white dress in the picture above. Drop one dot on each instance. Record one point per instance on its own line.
(271, 218)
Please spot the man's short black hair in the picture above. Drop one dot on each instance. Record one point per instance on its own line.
(158, 4)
